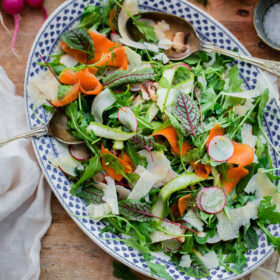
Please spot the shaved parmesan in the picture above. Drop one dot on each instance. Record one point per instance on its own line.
(110, 195)
(97, 211)
(43, 86)
(68, 60)
(241, 110)
(263, 187)
(144, 184)
(158, 236)
(122, 192)
(248, 138)
(185, 261)
(210, 260)
(241, 216)
(100, 103)
(159, 166)
(192, 218)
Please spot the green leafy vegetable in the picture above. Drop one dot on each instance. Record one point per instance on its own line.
(267, 213)
(251, 237)
(62, 91)
(121, 77)
(145, 29)
(123, 272)
(91, 169)
(79, 39)
(91, 195)
(197, 268)
(91, 17)
(186, 112)
(135, 210)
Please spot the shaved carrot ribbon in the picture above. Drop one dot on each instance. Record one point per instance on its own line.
(171, 136)
(109, 170)
(183, 203)
(200, 169)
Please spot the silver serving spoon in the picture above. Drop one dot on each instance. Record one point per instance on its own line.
(56, 128)
(193, 42)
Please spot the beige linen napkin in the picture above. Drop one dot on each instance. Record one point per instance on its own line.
(24, 194)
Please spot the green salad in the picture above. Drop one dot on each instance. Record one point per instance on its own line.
(175, 157)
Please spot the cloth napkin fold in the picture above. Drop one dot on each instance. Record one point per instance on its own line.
(24, 194)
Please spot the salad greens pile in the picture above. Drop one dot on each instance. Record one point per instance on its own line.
(177, 160)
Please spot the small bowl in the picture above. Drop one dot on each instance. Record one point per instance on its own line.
(260, 10)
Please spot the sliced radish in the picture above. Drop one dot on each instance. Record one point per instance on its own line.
(182, 64)
(128, 118)
(134, 87)
(211, 200)
(220, 148)
(115, 37)
(79, 152)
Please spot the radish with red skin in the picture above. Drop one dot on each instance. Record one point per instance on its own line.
(182, 64)
(211, 200)
(128, 118)
(79, 152)
(14, 8)
(220, 148)
(115, 37)
(37, 4)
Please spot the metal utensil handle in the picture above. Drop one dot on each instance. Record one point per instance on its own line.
(37, 132)
(268, 65)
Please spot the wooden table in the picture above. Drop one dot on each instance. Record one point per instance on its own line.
(67, 253)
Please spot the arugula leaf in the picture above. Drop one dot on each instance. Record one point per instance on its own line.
(193, 154)
(78, 122)
(145, 29)
(234, 81)
(158, 269)
(79, 39)
(251, 237)
(91, 17)
(266, 212)
(188, 244)
(134, 156)
(123, 272)
(91, 169)
(181, 75)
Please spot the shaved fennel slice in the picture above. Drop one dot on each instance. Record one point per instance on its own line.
(110, 195)
(131, 6)
(160, 167)
(158, 236)
(108, 132)
(247, 94)
(134, 59)
(100, 103)
(143, 185)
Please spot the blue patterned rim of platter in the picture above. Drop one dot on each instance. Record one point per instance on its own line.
(209, 30)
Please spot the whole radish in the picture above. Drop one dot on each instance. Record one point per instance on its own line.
(37, 4)
(14, 8)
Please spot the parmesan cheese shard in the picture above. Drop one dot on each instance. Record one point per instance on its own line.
(210, 260)
(97, 211)
(229, 229)
(110, 195)
(159, 167)
(68, 60)
(263, 187)
(42, 87)
(158, 236)
(144, 184)
(185, 261)
(192, 218)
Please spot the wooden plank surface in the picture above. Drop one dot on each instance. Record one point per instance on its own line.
(67, 253)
